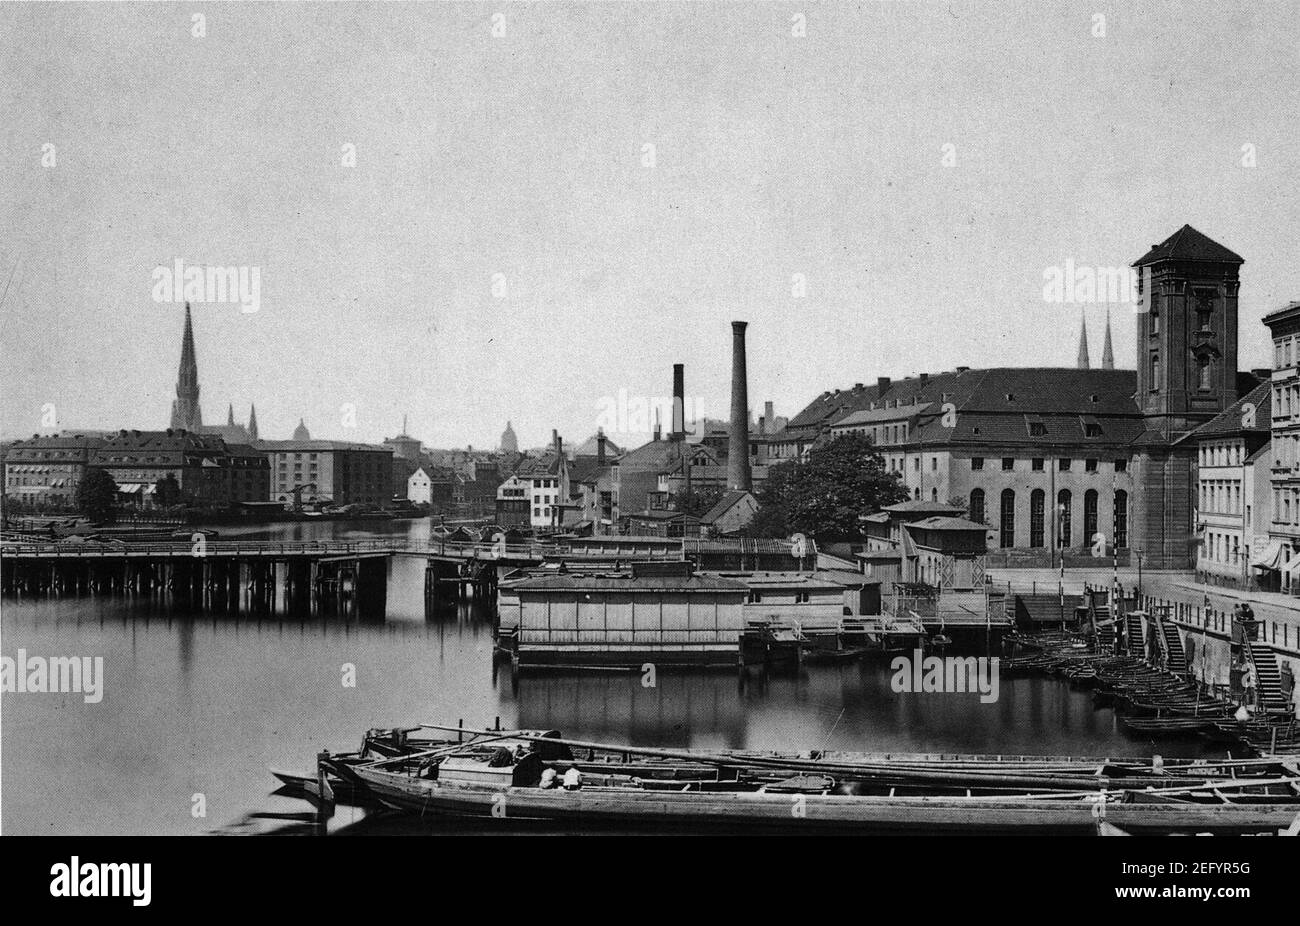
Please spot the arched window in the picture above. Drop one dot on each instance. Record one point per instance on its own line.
(1007, 522)
(1203, 372)
(1063, 508)
(1089, 515)
(1036, 504)
(1155, 372)
(1121, 518)
(916, 493)
(977, 505)
(934, 495)
(1155, 316)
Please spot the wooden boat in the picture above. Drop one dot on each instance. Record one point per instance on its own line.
(519, 775)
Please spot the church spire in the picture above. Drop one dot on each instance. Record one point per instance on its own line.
(185, 408)
(230, 415)
(252, 422)
(1107, 352)
(1084, 363)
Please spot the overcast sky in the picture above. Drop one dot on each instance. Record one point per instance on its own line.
(524, 155)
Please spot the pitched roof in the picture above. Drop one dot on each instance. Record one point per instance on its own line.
(948, 524)
(724, 504)
(1006, 391)
(291, 445)
(1232, 419)
(1188, 244)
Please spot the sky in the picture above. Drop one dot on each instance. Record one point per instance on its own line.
(505, 246)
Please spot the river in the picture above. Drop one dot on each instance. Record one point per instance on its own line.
(197, 706)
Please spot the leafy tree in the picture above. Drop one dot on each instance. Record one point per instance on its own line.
(697, 502)
(167, 491)
(97, 496)
(824, 496)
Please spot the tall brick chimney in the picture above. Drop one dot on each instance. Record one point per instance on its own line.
(678, 432)
(738, 473)
(600, 447)
(769, 416)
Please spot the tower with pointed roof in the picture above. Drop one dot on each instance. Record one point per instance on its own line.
(1108, 350)
(1186, 375)
(1084, 362)
(1187, 331)
(301, 432)
(252, 422)
(185, 407)
(509, 442)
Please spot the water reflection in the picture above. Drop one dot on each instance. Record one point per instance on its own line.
(201, 702)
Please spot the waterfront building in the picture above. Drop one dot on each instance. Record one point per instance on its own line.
(339, 472)
(663, 612)
(137, 460)
(1050, 458)
(1284, 424)
(1233, 472)
(250, 474)
(791, 599)
(419, 487)
(514, 502)
(44, 472)
(547, 479)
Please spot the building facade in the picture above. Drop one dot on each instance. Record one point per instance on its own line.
(1076, 460)
(1284, 422)
(1232, 490)
(43, 473)
(337, 472)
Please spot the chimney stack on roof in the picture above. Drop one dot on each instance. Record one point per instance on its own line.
(738, 472)
(600, 446)
(882, 385)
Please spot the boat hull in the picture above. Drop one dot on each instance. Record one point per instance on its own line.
(698, 810)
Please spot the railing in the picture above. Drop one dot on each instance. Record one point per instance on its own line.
(117, 548)
(1280, 635)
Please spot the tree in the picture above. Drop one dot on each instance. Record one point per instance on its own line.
(824, 496)
(167, 491)
(697, 502)
(97, 496)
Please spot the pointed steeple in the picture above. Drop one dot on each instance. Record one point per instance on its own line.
(185, 408)
(252, 422)
(1084, 363)
(230, 415)
(1107, 352)
(301, 432)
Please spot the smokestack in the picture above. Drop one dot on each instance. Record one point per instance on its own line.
(678, 432)
(556, 443)
(738, 473)
(769, 417)
(600, 447)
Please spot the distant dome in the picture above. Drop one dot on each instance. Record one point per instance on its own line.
(509, 443)
(301, 432)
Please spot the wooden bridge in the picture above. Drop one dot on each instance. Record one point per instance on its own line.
(353, 570)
